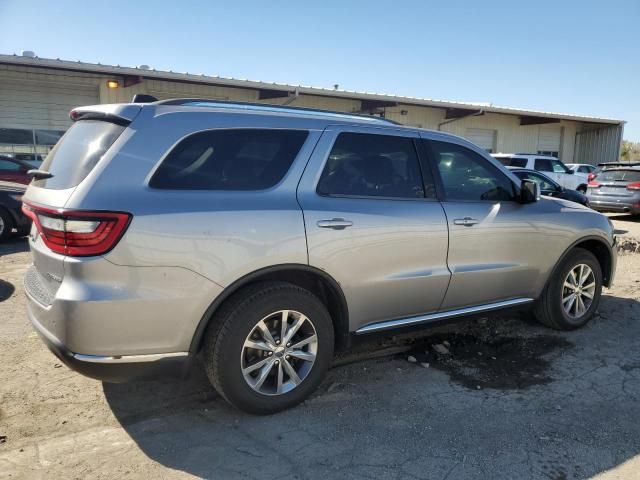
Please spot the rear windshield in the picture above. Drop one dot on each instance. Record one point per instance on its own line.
(77, 152)
(512, 161)
(619, 176)
(229, 160)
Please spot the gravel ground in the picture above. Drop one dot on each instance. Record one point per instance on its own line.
(509, 400)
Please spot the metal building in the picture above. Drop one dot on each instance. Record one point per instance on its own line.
(36, 95)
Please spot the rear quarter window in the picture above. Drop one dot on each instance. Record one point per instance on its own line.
(238, 159)
(77, 152)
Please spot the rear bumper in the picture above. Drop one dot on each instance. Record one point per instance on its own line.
(115, 368)
(632, 206)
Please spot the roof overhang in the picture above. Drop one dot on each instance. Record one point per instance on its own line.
(267, 90)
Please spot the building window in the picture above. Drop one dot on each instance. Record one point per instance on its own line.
(549, 153)
(27, 144)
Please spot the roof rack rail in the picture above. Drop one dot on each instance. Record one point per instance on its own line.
(213, 102)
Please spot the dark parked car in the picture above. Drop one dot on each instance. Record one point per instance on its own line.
(616, 190)
(15, 170)
(11, 215)
(549, 187)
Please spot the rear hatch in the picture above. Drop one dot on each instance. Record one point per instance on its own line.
(57, 232)
(618, 183)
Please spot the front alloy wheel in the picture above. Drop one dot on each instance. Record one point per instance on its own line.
(578, 291)
(571, 297)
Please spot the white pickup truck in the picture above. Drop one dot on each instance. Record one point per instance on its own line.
(550, 166)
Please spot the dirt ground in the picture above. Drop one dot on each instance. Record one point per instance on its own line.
(510, 400)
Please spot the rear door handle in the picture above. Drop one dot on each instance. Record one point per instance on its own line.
(466, 221)
(335, 223)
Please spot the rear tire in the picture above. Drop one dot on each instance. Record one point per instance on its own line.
(572, 294)
(287, 365)
(6, 224)
(23, 231)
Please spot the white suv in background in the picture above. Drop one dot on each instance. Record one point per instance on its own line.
(550, 166)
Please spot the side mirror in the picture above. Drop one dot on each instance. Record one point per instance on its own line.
(529, 191)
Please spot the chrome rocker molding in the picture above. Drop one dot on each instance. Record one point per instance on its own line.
(152, 357)
(403, 322)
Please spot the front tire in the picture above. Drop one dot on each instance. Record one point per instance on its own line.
(573, 292)
(269, 347)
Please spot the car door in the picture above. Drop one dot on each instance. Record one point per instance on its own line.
(495, 244)
(373, 224)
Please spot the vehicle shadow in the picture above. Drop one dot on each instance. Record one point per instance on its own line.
(6, 290)
(390, 417)
(14, 245)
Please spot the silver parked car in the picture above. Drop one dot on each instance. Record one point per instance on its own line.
(263, 238)
(616, 190)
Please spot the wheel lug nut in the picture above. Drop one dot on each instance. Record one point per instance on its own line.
(270, 353)
(277, 362)
(289, 344)
(277, 342)
(287, 357)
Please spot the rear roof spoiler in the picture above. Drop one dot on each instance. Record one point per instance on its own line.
(120, 114)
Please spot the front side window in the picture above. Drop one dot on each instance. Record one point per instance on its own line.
(242, 159)
(467, 176)
(544, 182)
(367, 165)
(543, 165)
(558, 167)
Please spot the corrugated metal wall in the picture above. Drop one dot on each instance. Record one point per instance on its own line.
(30, 98)
(599, 145)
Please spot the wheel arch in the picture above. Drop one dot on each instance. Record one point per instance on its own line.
(313, 279)
(600, 249)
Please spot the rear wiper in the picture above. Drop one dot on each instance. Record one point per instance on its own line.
(39, 174)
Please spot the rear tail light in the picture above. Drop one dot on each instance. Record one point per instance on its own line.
(78, 233)
(591, 176)
(594, 184)
(634, 186)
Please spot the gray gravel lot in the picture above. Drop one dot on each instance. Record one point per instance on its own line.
(510, 400)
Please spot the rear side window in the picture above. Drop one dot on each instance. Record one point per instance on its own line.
(77, 152)
(242, 159)
(512, 161)
(367, 165)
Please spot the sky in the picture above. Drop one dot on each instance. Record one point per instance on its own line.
(579, 57)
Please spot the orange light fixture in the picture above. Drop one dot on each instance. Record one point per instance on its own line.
(112, 84)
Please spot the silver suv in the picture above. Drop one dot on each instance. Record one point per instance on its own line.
(262, 238)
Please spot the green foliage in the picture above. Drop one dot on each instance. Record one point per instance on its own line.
(630, 151)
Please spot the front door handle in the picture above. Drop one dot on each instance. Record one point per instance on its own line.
(335, 223)
(466, 221)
